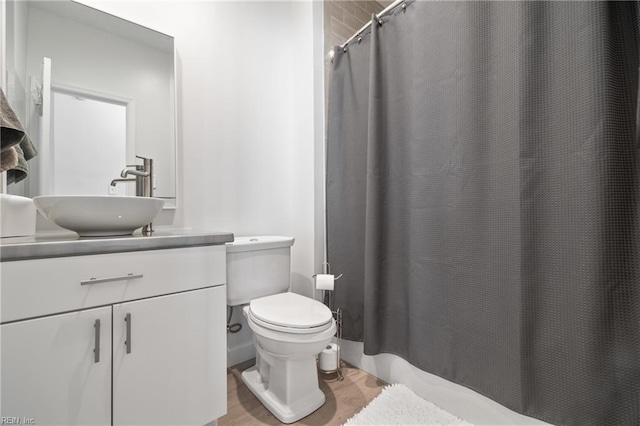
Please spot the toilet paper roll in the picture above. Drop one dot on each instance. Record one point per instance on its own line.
(324, 282)
(329, 358)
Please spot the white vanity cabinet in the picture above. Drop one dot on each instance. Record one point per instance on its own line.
(50, 373)
(163, 359)
(156, 318)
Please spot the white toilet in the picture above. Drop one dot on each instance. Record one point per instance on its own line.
(289, 330)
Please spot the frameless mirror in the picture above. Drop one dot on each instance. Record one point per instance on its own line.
(93, 91)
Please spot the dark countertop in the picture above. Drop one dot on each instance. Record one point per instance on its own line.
(63, 244)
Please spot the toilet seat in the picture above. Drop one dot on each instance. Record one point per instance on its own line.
(290, 313)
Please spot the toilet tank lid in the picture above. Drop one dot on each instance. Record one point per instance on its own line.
(262, 242)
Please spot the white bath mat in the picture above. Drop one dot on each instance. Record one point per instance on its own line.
(398, 405)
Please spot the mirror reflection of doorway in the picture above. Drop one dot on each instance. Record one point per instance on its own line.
(89, 144)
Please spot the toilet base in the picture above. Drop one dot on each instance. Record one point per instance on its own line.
(284, 413)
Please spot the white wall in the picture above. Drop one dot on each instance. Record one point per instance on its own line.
(246, 129)
(17, 30)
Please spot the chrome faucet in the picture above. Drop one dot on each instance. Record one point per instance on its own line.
(144, 182)
(143, 177)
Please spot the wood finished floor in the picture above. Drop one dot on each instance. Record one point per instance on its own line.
(344, 399)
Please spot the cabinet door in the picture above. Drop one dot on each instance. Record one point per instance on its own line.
(169, 359)
(50, 372)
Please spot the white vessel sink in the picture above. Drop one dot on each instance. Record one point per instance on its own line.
(99, 216)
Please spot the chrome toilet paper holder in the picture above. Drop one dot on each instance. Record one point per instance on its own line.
(338, 369)
(326, 269)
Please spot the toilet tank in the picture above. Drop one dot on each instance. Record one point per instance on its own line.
(257, 267)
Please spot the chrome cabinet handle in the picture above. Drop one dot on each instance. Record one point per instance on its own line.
(96, 346)
(111, 279)
(127, 342)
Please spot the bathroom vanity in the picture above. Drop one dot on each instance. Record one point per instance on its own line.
(121, 330)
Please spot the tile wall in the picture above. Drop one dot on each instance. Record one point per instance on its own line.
(342, 19)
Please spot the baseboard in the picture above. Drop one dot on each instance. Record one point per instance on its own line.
(240, 353)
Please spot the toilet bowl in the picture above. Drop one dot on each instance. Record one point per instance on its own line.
(289, 330)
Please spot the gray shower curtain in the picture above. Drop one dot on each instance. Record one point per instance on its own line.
(483, 180)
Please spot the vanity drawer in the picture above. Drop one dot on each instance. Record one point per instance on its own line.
(32, 288)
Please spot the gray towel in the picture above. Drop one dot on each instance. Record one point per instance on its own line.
(12, 130)
(21, 169)
(8, 159)
(17, 147)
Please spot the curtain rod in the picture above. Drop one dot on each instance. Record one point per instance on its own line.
(385, 11)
